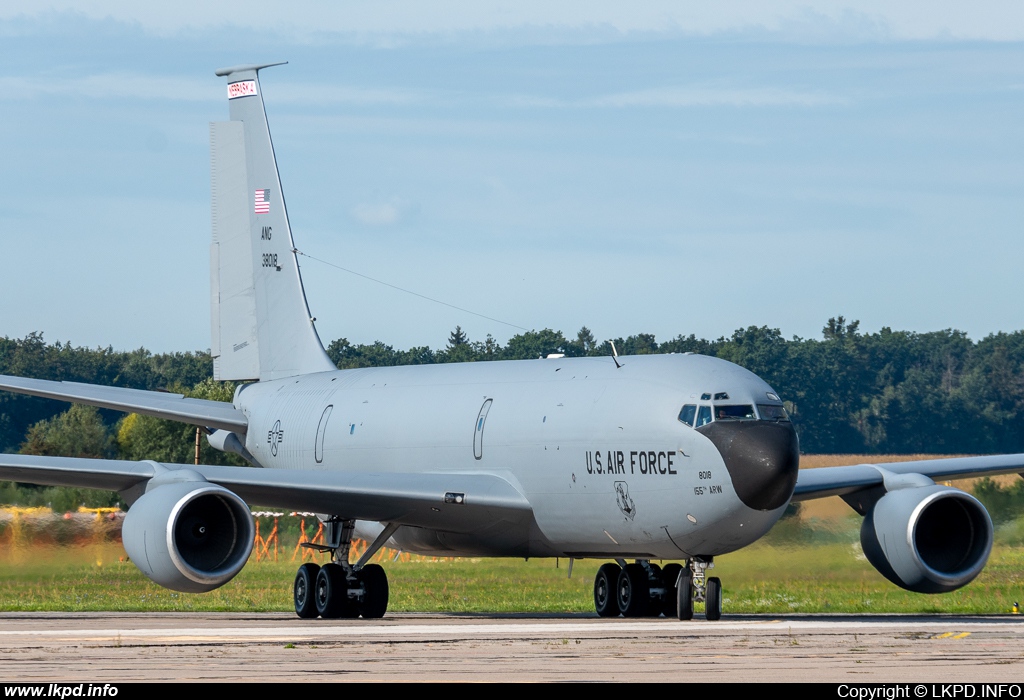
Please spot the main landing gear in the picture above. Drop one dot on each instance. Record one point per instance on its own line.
(643, 589)
(341, 589)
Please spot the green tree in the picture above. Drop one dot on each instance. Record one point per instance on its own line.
(533, 344)
(1003, 504)
(457, 337)
(78, 432)
(344, 355)
(691, 343)
(583, 345)
(489, 349)
(31, 356)
(459, 348)
(144, 437)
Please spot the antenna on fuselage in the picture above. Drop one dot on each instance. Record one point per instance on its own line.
(615, 355)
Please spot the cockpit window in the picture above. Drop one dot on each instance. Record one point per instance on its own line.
(703, 416)
(769, 412)
(734, 413)
(688, 413)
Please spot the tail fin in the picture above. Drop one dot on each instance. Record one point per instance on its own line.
(262, 328)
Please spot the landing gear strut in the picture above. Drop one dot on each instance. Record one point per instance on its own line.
(645, 589)
(695, 586)
(339, 588)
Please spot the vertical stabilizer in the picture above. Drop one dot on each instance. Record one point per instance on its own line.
(261, 325)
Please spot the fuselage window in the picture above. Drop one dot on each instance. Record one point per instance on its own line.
(703, 416)
(734, 413)
(688, 413)
(775, 413)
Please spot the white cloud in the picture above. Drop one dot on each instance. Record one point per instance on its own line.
(996, 20)
(688, 97)
(380, 214)
(158, 87)
(329, 93)
(108, 85)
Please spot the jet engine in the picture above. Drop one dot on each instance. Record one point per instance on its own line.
(927, 539)
(188, 535)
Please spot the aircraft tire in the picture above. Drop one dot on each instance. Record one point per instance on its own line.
(605, 582)
(656, 605)
(669, 576)
(375, 591)
(304, 591)
(633, 591)
(713, 606)
(331, 591)
(684, 598)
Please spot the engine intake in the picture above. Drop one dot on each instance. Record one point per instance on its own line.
(927, 539)
(189, 536)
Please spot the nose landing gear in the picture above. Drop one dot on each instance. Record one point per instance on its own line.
(694, 586)
(340, 589)
(644, 589)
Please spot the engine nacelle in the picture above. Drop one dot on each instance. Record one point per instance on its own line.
(927, 539)
(188, 535)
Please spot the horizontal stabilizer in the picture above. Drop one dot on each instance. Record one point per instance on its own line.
(211, 414)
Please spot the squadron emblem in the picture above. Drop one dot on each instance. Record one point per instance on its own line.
(623, 500)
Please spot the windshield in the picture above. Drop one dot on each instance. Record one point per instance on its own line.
(744, 412)
(770, 412)
(688, 413)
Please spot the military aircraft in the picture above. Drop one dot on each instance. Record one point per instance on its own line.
(658, 457)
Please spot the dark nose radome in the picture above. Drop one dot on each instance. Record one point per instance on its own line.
(762, 457)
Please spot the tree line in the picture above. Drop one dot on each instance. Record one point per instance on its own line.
(847, 392)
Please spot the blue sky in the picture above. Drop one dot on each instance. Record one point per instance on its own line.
(663, 167)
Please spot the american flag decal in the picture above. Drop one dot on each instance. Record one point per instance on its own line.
(262, 202)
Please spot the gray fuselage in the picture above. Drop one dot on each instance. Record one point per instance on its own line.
(597, 450)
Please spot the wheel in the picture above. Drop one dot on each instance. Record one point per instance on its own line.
(633, 591)
(713, 606)
(331, 591)
(669, 576)
(656, 605)
(305, 590)
(604, 590)
(684, 597)
(375, 591)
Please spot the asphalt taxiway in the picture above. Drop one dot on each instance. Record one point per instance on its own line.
(112, 647)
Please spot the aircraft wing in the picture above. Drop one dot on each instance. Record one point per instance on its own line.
(210, 414)
(839, 481)
(79, 472)
(446, 501)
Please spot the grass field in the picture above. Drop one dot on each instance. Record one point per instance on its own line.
(808, 564)
(830, 577)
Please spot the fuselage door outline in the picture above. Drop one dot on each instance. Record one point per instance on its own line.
(478, 429)
(321, 430)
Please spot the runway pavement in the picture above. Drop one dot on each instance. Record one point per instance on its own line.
(113, 647)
